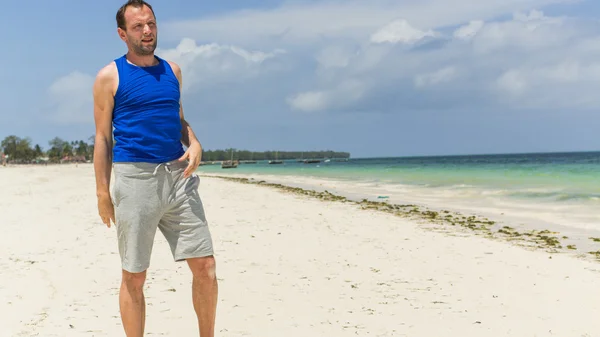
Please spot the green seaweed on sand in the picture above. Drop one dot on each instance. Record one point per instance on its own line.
(543, 239)
(596, 254)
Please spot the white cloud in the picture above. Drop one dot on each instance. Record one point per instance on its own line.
(393, 48)
(334, 57)
(512, 82)
(71, 99)
(309, 101)
(569, 84)
(467, 32)
(441, 76)
(400, 31)
(527, 32)
(535, 18)
(528, 61)
(301, 23)
(341, 96)
(210, 64)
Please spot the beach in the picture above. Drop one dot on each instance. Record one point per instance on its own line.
(288, 264)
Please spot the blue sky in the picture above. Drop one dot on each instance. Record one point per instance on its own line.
(376, 78)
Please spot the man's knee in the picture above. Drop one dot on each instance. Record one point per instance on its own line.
(203, 268)
(134, 281)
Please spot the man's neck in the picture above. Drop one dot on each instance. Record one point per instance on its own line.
(141, 61)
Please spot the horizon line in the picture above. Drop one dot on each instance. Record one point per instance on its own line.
(479, 154)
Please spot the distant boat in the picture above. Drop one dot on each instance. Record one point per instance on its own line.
(226, 164)
(276, 161)
(311, 161)
(229, 164)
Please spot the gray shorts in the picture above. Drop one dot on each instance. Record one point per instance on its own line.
(148, 196)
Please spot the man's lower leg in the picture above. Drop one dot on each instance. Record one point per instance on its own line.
(133, 304)
(205, 294)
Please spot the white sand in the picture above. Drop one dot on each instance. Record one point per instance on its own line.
(579, 221)
(288, 266)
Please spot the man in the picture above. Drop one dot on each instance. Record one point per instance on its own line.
(155, 186)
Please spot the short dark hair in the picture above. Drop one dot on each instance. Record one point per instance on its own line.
(133, 3)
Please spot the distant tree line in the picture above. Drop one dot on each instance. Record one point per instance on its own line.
(21, 150)
(217, 155)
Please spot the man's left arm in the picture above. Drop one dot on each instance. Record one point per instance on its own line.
(194, 149)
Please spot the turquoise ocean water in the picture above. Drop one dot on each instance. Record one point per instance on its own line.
(560, 190)
(545, 177)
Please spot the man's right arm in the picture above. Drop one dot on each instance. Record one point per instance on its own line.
(103, 92)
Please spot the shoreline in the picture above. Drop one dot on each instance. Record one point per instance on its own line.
(550, 241)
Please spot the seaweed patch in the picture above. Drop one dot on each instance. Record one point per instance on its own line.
(543, 239)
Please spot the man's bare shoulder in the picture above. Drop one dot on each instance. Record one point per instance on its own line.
(107, 77)
(176, 69)
(107, 73)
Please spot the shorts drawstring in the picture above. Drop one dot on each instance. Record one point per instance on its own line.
(166, 165)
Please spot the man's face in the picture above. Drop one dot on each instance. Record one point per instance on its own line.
(141, 33)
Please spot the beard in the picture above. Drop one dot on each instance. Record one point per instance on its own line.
(144, 49)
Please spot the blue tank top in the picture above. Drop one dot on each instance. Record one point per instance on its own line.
(146, 122)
